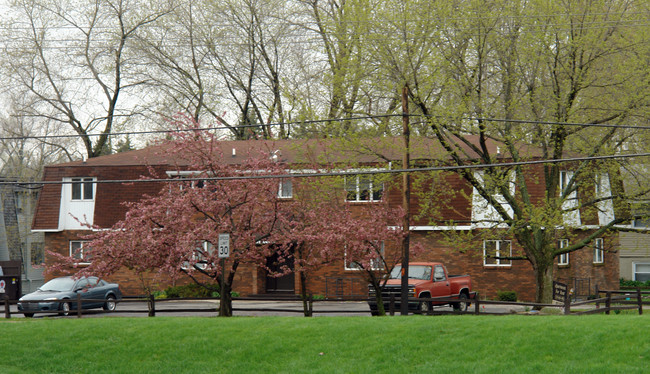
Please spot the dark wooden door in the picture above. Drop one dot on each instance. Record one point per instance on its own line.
(285, 283)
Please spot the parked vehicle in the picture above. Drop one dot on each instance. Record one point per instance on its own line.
(426, 280)
(60, 295)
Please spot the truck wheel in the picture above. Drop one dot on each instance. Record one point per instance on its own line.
(424, 307)
(462, 304)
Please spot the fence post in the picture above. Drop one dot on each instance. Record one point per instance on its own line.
(7, 311)
(152, 306)
(310, 308)
(391, 305)
(597, 291)
(608, 302)
(476, 306)
(639, 299)
(567, 303)
(78, 305)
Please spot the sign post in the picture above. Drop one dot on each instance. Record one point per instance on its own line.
(223, 252)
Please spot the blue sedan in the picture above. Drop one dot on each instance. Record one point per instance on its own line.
(60, 295)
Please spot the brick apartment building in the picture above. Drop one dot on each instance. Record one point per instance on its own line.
(62, 205)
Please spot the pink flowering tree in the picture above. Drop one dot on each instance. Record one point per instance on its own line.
(311, 229)
(373, 245)
(175, 232)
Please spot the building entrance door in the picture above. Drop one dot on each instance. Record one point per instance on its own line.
(283, 284)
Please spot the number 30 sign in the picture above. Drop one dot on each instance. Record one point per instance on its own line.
(224, 246)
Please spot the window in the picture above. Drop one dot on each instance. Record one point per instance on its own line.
(641, 272)
(285, 190)
(439, 273)
(79, 250)
(376, 262)
(641, 222)
(599, 253)
(363, 188)
(563, 259)
(494, 250)
(202, 251)
(83, 188)
(565, 177)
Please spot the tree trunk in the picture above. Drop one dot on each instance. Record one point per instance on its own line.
(304, 294)
(225, 301)
(381, 311)
(543, 283)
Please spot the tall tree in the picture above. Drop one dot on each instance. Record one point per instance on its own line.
(229, 54)
(546, 63)
(75, 60)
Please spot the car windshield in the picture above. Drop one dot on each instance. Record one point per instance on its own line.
(422, 272)
(58, 284)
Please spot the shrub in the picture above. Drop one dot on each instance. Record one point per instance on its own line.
(634, 284)
(507, 295)
(191, 290)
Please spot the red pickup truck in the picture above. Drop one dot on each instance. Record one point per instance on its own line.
(426, 280)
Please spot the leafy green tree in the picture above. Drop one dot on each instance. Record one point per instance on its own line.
(520, 73)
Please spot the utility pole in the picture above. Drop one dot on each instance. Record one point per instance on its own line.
(406, 198)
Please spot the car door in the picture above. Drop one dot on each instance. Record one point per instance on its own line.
(81, 289)
(440, 282)
(95, 292)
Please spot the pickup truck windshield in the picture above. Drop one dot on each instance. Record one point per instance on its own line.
(415, 272)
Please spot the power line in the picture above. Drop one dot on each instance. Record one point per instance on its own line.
(316, 121)
(339, 173)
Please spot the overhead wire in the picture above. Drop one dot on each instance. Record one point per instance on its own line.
(315, 121)
(338, 173)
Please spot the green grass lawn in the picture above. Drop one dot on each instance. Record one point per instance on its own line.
(438, 344)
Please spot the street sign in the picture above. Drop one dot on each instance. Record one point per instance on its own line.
(559, 291)
(223, 251)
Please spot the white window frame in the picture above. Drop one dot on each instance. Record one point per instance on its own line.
(208, 248)
(571, 215)
(376, 264)
(358, 192)
(80, 253)
(285, 188)
(599, 251)
(82, 184)
(563, 259)
(635, 270)
(498, 262)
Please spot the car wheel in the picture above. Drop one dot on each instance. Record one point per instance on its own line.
(424, 307)
(65, 308)
(462, 304)
(110, 303)
(28, 315)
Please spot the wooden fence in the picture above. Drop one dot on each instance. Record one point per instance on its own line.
(611, 301)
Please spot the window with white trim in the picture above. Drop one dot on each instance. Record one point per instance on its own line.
(565, 177)
(79, 250)
(494, 252)
(375, 264)
(83, 189)
(285, 189)
(202, 251)
(363, 188)
(641, 272)
(599, 253)
(563, 259)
